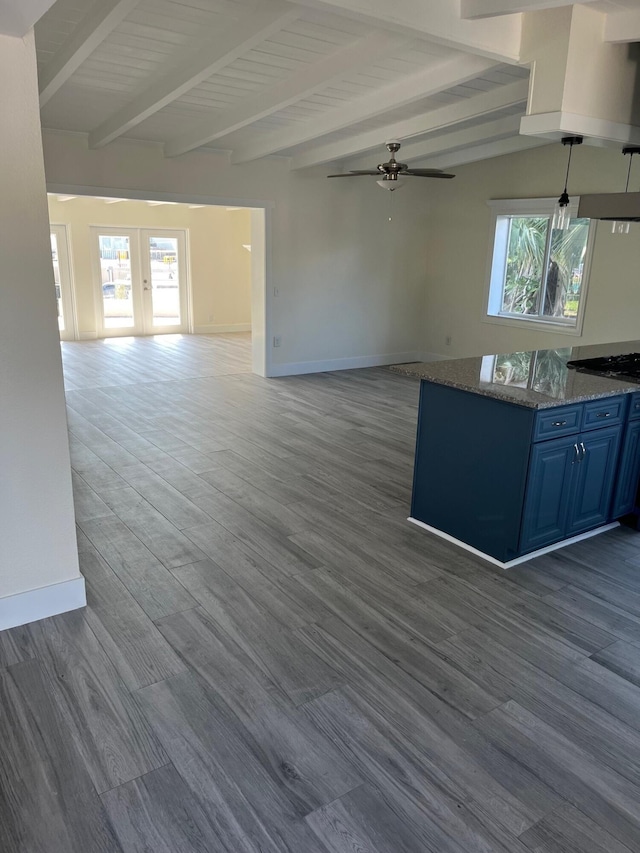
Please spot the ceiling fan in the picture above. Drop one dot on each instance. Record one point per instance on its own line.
(391, 172)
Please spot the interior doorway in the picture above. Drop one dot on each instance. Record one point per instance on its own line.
(141, 283)
(223, 280)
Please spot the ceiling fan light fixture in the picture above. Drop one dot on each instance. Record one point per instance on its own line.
(561, 214)
(390, 182)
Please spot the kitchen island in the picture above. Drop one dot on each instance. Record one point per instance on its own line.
(518, 454)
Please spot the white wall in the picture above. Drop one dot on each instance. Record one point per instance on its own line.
(220, 266)
(354, 286)
(350, 283)
(37, 534)
(460, 240)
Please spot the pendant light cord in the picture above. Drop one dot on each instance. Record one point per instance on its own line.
(629, 170)
(566, 177)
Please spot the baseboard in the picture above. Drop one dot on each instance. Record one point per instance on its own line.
(518, 560)
(42, 602)
(294, 368)
(434, 356)
(87, 336)
(218, 330)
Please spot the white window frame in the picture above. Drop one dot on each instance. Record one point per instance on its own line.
(497, 259)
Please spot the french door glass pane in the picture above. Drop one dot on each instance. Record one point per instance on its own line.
(115, 269)
(165, 292)
(56, 277)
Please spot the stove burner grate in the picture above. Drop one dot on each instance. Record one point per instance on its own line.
(614, 366)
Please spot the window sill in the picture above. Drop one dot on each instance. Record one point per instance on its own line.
(532, 323)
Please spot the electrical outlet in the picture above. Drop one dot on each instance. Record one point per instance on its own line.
(277, 341)
(447, 340)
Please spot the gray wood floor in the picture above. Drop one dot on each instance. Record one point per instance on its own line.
(273, 659)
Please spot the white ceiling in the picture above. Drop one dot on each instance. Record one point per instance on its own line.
(319, 81)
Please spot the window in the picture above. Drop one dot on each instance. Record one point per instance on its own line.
(538, 274)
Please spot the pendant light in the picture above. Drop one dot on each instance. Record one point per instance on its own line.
(618, 227)
(561, 215)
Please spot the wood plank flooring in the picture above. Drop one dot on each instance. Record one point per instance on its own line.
(274, 661)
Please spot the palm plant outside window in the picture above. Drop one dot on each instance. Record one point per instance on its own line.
(538, 273)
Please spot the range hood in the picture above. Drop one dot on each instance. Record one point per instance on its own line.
(623, 207)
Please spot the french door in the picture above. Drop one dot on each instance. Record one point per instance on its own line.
(62, 282)
(140, 279)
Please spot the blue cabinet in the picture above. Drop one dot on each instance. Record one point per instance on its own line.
(570, 486)
(628, 470)
(594, 478)
(472, 458)
(508, 479)
(548, 492)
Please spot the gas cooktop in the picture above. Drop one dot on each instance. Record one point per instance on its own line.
(626, 367)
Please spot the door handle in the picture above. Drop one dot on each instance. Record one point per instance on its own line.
(577, 456)
(583, 449)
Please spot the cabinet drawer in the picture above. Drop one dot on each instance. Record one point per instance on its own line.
(634, 407)
(563, 420)
(601, 413)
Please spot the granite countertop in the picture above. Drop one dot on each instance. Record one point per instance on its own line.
(538, 379)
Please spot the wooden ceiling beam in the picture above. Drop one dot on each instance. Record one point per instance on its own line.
(101, 20)
(469, 108)
(304, 83)
(456, 140)
(223, 48)
(451, 72)
(484, 151)
(438, 20)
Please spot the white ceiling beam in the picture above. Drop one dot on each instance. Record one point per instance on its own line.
(480, 105)
(306, 82)
(435, 20)
(103, 17)
(16, 19)
(451, 72)
(483, 152)
(473, 10)
(224, 47)
(479, 134)
(622, 27)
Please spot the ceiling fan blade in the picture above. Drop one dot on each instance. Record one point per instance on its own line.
(354, 174)
(427, 173)
(392, 170)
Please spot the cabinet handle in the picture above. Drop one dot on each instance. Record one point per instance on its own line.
(603, 415)
(577, 456)
(558, 423)
(583, 449)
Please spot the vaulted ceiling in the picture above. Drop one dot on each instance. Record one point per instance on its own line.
(318, 81)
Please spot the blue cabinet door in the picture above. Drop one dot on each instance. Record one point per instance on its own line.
(548, 492)
(594, 476)
(628, 470)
